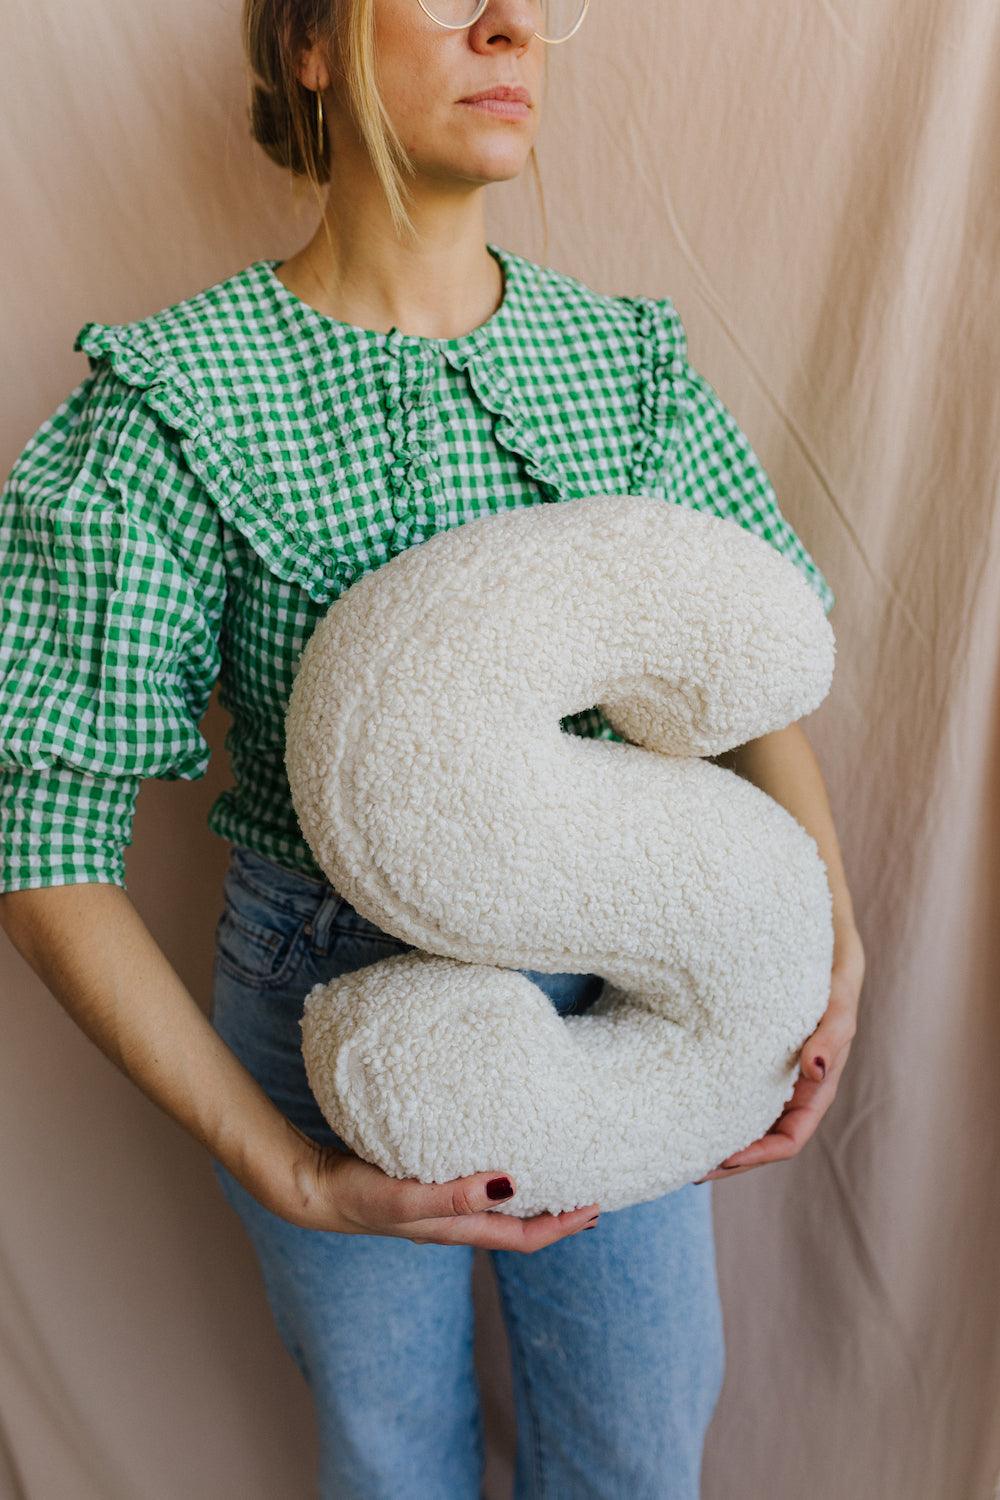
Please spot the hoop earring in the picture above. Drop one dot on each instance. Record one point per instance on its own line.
(319, 124)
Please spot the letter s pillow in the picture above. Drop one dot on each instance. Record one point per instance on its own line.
(437, 791)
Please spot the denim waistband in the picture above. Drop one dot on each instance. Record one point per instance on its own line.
(304, 895)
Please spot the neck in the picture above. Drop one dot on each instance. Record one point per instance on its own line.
(356, 269)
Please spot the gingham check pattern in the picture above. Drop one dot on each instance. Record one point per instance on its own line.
(230, 464)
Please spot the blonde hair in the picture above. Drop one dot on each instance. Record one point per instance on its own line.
(282, 110)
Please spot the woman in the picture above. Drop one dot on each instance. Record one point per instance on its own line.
(227, 468)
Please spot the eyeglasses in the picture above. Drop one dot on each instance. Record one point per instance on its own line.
(561, 18)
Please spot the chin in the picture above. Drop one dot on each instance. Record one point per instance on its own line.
(498, 166)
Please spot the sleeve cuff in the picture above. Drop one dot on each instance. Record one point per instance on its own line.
(64, 826)
(591, 724)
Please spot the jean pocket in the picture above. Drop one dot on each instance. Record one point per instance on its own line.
(260, 945)
(350, 927)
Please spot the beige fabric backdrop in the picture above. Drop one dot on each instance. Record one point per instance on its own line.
(815, 186)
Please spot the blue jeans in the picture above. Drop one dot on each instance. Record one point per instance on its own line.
(615, 1333)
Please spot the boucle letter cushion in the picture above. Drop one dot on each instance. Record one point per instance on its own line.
(438, 792)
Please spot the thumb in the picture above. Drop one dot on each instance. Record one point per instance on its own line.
(498, 1189)
(462, 1195)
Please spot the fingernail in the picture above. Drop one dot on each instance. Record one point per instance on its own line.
(821, 1065)
(499, 1187)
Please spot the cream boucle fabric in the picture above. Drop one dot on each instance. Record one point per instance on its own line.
(437, 791)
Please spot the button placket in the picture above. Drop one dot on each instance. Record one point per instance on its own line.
(416, 432)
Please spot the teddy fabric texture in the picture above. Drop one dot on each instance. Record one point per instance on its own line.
(439, 795)
(235, 460)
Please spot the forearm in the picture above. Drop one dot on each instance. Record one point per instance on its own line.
(91, 948)
(784, 765)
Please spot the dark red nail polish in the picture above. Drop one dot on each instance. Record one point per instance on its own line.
(821, 1065)
(499, 1187)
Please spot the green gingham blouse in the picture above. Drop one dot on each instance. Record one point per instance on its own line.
(233, 462)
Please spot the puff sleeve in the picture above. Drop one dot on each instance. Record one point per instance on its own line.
(696, 444)
(112, 582)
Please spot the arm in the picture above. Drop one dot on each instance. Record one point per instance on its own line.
(784, 766)
(113, 594)
(88, 944)
(113, 582)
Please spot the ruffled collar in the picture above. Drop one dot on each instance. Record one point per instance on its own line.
(405, 372)
(205, 391)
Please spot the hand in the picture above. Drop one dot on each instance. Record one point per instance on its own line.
(348, 1195)
(829, 1044)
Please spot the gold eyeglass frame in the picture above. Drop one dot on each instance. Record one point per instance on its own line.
(552, 41)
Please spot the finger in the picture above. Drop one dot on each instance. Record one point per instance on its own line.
(805, 1093)
(495, 1231)
(763, 1158)
(472, 1194)
(835, 1032)
(798, 1120)
(790, 1131)
(778, 1147)
(787, 1135)
(381, 1201)
(388, 1201)
(717, 1173)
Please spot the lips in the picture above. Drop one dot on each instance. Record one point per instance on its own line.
(513, 93)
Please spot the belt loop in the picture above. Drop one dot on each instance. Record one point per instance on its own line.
(319, 924)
